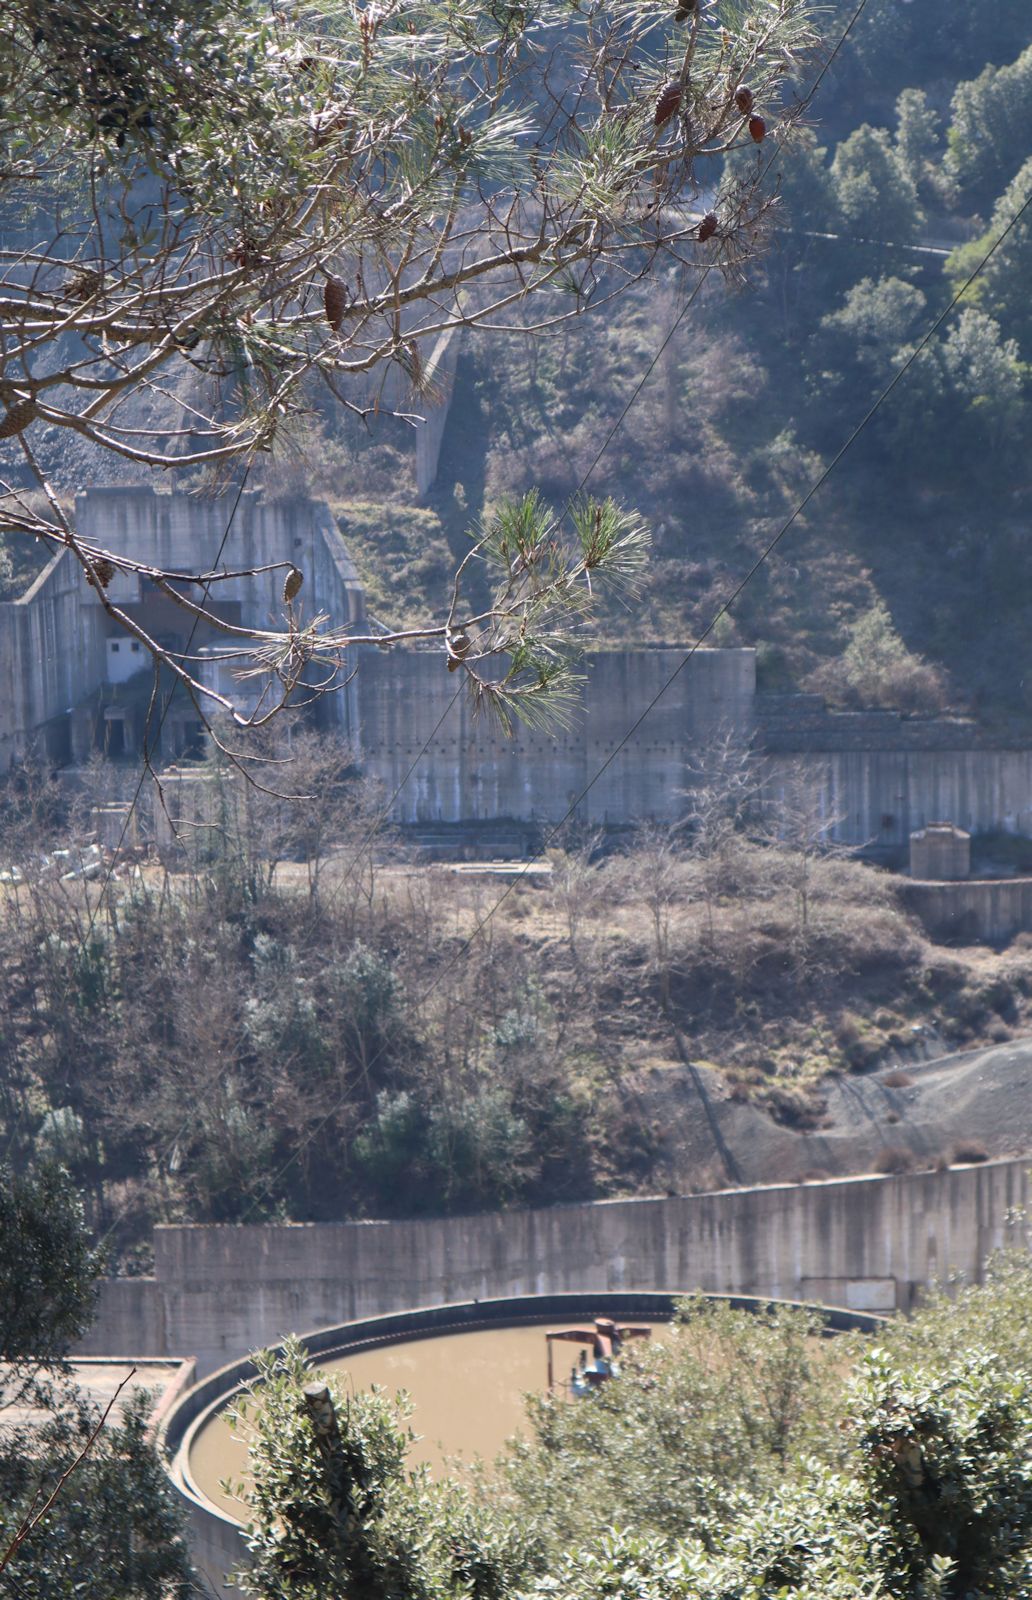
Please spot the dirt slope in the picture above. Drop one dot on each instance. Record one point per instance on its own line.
(978, 1098)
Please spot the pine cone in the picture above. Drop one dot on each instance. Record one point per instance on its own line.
(757, 129)
(744, 99)
(459, 645)
(668, 102)
(292, 585)
(708, 226)
(18, 418)
(105, 571)
(335, 302)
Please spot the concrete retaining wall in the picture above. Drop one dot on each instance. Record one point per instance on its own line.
(53, 640)
(878, 797)
(876, 776)
(865, 1243)
(470, 771)
(986, 911)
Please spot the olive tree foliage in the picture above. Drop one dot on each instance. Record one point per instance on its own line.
(213, 210)
(333, 1509)
(933, 1499)
(737, 1457)
(717, 1407)
(907, 1476)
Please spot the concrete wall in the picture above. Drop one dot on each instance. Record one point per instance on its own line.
(472, 772)
(876, 776)
(989, 912)
(865, 1243)
(50, 646)
(880, 796)
(435, 405)
(53, 638)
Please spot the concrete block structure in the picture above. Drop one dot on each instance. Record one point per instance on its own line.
(868, 1243)
(75, 682)
(940, 851)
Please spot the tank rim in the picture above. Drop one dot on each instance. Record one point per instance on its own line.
(215, 1393)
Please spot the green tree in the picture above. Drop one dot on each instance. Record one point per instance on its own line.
(895, 44)
(988, 131)
(933, 1499)
(1001, 288)
(48, 1274)
(918, 138)
(877, 669)
(987, 378)
(716, 1409)
(856, 347)
(875, 192)
(741, 1461)
(114, 1527)
(335, 1511)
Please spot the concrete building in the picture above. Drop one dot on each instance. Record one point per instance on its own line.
(76, 682)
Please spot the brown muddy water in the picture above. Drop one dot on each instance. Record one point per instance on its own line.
(467, 1390)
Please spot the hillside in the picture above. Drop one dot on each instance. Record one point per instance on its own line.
(361, 1037)
(905, 582)
(915, 158)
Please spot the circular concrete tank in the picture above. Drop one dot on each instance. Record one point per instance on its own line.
(390, 1350)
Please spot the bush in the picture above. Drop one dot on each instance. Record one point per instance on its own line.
(897, 1080)
(876, 669)
(967, 1152)
(895, 1159)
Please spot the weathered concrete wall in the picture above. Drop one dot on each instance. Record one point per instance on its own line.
(182, 532)
(50, 643)
(435, 405)
(53, 638)
(989, 912)
(472, 772)
(876, 776)
(866, 1243)
(879, 796)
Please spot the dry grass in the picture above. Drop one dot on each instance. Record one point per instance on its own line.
(895, 1159)
(772, 994)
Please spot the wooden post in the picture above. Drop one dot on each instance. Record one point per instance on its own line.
(320, 1407)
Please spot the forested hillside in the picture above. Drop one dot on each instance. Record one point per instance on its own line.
(905, 582)
(916, 154)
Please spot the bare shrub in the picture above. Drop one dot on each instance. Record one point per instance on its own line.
(966, 1152)
(894, 1159)
(897, 1080)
